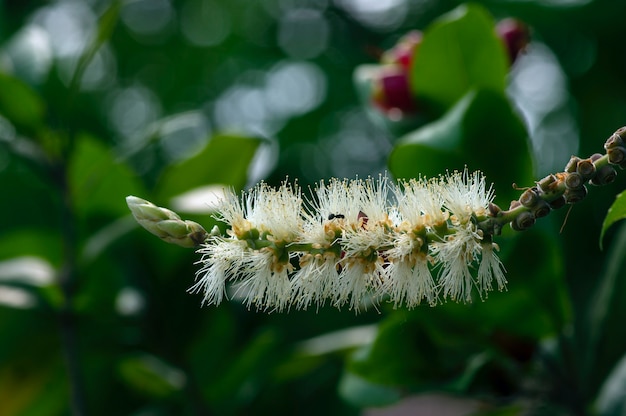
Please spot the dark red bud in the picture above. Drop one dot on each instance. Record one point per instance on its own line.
(515, 36)
(391, 90)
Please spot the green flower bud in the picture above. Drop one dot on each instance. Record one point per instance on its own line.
(166, 224)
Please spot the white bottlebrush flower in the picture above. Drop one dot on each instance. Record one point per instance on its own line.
(360, 280)
(265, 282)
(234, 211)
(334, 207)
(490, 268)
(372, 232)
(420, 203)
(356, 240)
(276, 212)
(316, 281)
(222, 259)
(455, 256)
(465, 194)
(408, 279)
(362, 267)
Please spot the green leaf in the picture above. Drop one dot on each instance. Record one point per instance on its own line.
(616, 212)
(253, 360)
(537, 304)
(459, 52)
(20, 104)
(106, 24)
(26, 189)
(224, 160)
(612, 400)
(452, 346)
(606, 339)
(481, 132)
(28, 282)
(361, 392)
(99, 183)
(151, 376)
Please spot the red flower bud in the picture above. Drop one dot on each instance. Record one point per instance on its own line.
(391, 91)
(515, 36)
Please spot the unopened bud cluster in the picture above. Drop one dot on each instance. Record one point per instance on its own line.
(567, 187)
(353, 242)
(166, 224)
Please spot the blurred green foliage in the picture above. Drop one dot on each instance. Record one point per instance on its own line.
(162, 99)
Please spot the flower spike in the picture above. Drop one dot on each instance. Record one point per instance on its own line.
(359, 242)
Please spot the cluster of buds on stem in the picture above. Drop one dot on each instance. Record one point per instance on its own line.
(556, 190)
(354, 242)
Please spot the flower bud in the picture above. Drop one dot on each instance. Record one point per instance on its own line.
(391, 91)
(557, 203)
(547, 184)
(514, 204)
(523, 221)
(541, 209)
(616, 139)
(494, 210)
(586, 169)
(621, 132)
(404, 51)
(575, 195)
(604, 176)
(572, 164)
(515, 36)
(616, 154)
(574, 181)
(166, 224)
(529, 198)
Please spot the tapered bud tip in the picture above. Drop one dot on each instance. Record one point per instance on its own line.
(146, 210)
